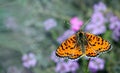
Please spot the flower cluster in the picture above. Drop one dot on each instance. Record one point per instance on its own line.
(63, 66)
(98, 20)
(11, 23)
(115, 27)
(100, 7)
(29, 60)
(49, 24)
(96, 64)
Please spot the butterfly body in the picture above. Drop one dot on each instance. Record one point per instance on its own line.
(81, 40)
(81, 44)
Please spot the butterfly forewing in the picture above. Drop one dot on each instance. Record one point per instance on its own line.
(69, 49)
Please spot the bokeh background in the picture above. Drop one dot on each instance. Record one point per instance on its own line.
(31, 31)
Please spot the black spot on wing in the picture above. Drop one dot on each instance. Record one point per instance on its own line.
(62, 47)
(69, 41)
(102, 42)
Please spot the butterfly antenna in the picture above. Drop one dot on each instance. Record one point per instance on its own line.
(83, 26)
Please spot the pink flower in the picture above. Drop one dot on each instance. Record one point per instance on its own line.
(76, 23)
(29, 60)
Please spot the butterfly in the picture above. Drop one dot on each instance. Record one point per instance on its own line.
(82, 44)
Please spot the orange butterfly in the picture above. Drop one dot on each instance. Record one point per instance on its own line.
(82, 44)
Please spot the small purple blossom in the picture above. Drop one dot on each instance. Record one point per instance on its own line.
(114, 22)
(115, 27)
(73, 66)
(113, 19)
(98, 18)
(49, 24)
(29, 60)
(100, 7)
(116, 33)
(61, 67)
(97, 23)
(96, 64)
(76, 23)
(66, 34)
(95, 28)
(69, 66)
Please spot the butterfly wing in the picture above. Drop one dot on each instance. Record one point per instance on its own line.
(69, 49)
(90, 52)
(96, 44)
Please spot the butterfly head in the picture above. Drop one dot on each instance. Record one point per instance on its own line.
(80, 34)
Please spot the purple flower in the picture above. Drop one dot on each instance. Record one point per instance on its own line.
(113, 19)
(116, 33)
(73, 66)
(62, 67)
(100, 7)
(10, 23)
(114, 22)
(66, 34)
(76, 23)
(29, 60)
(96, 64)
(95, 28)
(114, 25)
(98, 18)
(69, 66)
(97, 24)
(49, 24)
